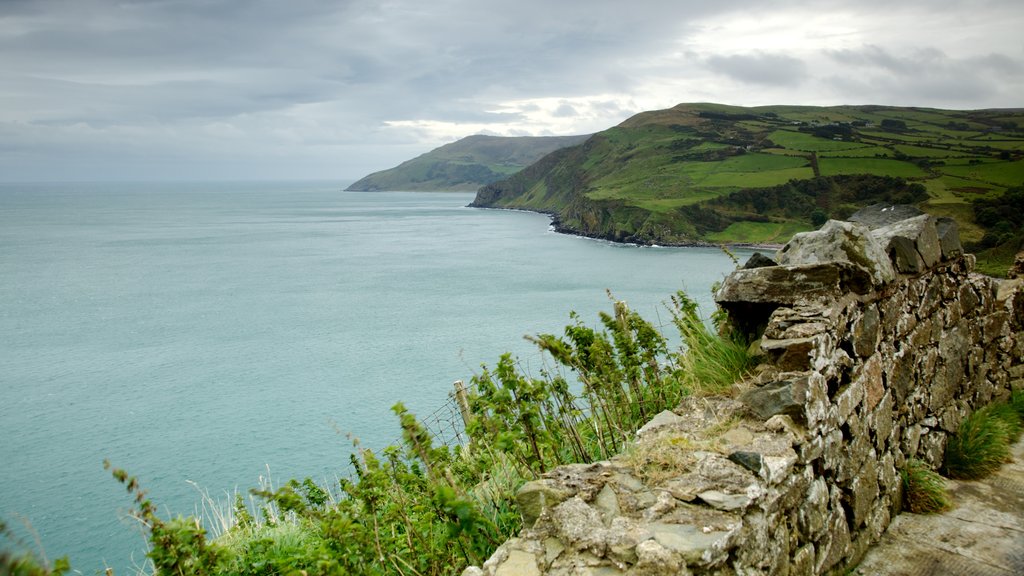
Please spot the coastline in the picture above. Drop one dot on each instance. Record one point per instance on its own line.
(558, 227)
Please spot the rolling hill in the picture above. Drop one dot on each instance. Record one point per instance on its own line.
(465, 165)
(709, 173)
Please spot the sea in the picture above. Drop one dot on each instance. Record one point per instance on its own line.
(207, 337)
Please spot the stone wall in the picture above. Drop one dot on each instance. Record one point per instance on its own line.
(878, 341)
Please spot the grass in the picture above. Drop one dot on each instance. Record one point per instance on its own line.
(982, 443)
(710, 364)
(879, 166)
(759, 232)
(924, 491)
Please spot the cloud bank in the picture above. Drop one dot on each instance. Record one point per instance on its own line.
(104, 89)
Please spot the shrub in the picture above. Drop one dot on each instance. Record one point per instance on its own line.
(924, 491)
(980, 446)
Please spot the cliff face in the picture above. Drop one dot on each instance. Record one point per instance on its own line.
(879, 341)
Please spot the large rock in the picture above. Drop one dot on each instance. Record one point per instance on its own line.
(839, 242)
(913, 244)
(949, 238)
(536, 496)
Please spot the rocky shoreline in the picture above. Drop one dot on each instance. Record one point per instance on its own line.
(561, 228)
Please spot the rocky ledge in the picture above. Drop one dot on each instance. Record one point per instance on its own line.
(877, 341)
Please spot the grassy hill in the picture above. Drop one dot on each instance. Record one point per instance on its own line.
(712, 173)
(466, 164)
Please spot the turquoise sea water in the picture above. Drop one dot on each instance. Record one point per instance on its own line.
(208, 332)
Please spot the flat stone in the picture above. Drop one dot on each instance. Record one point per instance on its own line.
(722, 501)
(519, 563)
(791, 354)
(688, 541)
(663, 419)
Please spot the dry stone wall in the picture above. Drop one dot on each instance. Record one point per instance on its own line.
(878, 340)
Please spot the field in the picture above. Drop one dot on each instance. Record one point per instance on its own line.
(710, 172)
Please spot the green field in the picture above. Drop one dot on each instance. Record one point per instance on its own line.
(880, 166)
(709, 172)
(759, 232)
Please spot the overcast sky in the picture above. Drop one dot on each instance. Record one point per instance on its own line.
(335, 89)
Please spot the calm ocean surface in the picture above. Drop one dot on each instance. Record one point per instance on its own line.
(206, 332)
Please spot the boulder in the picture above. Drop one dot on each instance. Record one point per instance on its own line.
(758, 260)
(913, 244)
(840, 242)
(949, 238)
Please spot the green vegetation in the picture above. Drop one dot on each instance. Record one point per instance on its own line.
(422, 508)
(982, 443)
(693, 173)
(924, 491)
(25, 563)
(466, 164)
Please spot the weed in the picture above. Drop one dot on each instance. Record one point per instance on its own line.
(924, 491)
(980, 446)
(26, 563)
(710, 364)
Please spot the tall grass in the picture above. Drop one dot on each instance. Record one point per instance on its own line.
(924, 491)
(982, 443)
(710, 363)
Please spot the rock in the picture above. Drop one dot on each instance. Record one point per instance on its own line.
(781, 285)
(663, 419)
(791, 354)
(750, 460)
(519, 563)
(758, 260)
(722, 501)
(607, 504)
(688, 541)
(838, 242)
(1017, 269)
(773, 398)
(536, 496)
(578, 525)
(658, 559)
(866, 332)
(949, 238)
(879, 215)
(913, 244)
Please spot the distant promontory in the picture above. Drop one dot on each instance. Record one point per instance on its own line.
(465, 165)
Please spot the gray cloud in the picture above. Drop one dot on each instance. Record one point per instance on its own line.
(344, 87)
(760, 68)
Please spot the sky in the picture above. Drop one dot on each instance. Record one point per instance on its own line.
(336, 89)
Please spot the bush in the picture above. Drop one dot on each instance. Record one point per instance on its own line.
(981, 444)
(924, 491)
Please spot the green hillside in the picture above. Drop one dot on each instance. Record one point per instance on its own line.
(712, 173)
(466, 164)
